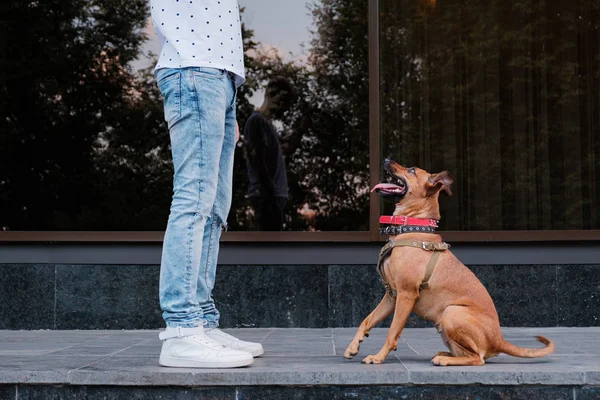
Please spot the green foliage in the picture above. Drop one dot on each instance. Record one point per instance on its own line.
(326, 131)
(64, 76)
(83, 143)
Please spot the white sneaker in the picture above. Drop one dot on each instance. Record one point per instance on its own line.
(191, 348)
(232, 342)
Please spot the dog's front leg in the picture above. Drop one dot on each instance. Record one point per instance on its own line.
(405, 301)
(381, 312)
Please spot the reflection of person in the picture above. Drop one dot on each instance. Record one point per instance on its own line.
(268, 188)
(198, 73)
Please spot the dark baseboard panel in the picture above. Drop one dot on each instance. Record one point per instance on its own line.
(418, 392)
(86, 296)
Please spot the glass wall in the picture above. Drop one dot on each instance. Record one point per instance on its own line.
(504, 95)
(84, 145)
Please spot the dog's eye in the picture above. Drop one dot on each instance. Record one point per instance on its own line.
(411, 170)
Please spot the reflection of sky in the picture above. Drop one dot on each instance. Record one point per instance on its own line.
(280, 24)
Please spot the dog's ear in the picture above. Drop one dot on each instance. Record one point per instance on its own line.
(442, 181)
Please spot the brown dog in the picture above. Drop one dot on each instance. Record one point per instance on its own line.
(421, 275)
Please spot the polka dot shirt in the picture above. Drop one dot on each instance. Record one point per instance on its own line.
(199, 33)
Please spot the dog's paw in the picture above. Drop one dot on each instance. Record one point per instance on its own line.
(442, 354)
(352, 348)
(440, 361)
(349, 353)
(372, 360)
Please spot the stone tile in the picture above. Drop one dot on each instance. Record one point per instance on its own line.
(267, 370)
(588, 393)
(490, 393)
(123, 393)
(307, 348)
(493, 373)
(289, 393)
(272, 296)
(579, 295)
(4, 353)
(75, 351)
(102, 297)
(27, 296)
(422, 372)
(592, 375)
(8, 392)
(425, 342)
(107, 297)
(585, 345)
(31, 345)
(302, 393)
(305, 359)
(524, 295)
(354, 291)
(55, 342)
(406, 393)
(317, 335)
(550, 372)
(120, 341)
(138, 371)
(147, 351)
(370, 345)
(78, 335)
(40, 369)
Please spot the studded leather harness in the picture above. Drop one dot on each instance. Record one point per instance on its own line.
(423, 226)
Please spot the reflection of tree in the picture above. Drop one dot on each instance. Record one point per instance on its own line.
(83, 144)
(328, 171)
(66, 89)
(501, 94)
(338, 107)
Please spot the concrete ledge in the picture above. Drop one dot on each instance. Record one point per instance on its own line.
(293, 357)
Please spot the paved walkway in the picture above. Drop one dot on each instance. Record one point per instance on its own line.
(292, 357)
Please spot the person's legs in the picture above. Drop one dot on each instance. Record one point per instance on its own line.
(269, 212)
(196, 101)
(217, 219)
(212, 233)
(281, 204)
(256, 204)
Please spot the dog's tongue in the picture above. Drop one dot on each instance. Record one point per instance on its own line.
(384, 186)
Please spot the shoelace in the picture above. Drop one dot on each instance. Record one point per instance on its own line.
(223, 334)
(205, 340)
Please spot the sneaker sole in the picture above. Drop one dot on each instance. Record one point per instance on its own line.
(187, 363)
(257, 353)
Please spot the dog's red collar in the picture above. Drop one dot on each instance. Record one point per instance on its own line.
(404, 220)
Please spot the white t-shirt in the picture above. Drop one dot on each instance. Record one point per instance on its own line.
(199, 33)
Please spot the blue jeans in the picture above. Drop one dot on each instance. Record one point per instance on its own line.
(199, 107)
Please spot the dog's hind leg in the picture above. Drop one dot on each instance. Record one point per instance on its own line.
(462, 335)
(460, 355)
(466, 360)
(381, 312)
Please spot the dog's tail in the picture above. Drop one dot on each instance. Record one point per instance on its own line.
(512, 350)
